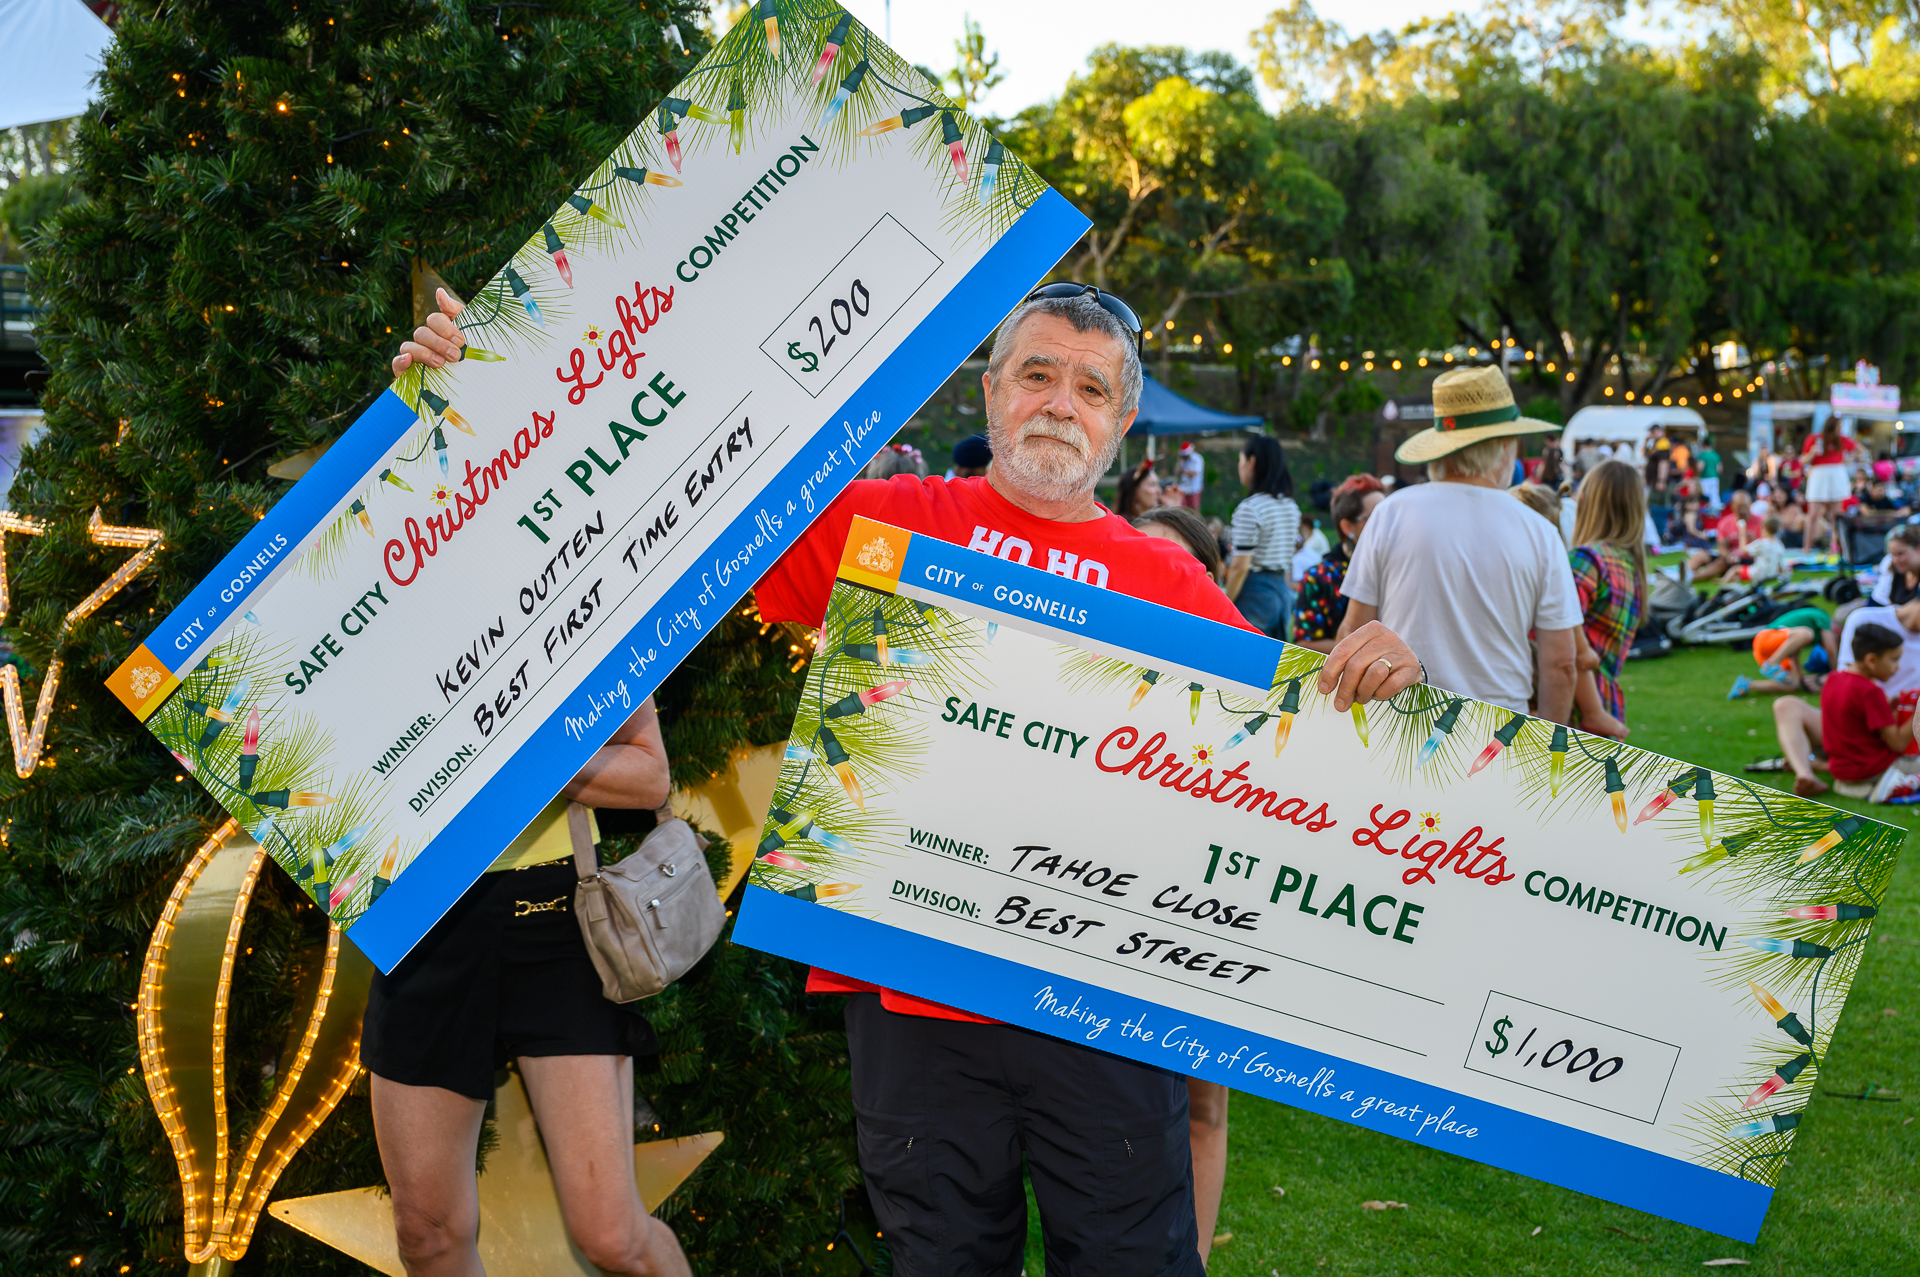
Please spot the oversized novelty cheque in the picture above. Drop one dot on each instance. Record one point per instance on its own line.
(482, 579)
(1071, 810)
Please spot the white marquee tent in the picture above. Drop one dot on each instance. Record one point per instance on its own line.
(52, 52)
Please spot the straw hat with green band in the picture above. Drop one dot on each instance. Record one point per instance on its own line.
(1470, 405)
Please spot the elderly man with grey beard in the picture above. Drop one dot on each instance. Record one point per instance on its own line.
(950, 1106)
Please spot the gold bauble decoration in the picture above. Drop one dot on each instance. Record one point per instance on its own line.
(182, 1017)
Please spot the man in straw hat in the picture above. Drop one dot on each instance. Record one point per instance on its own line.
(1461, 570)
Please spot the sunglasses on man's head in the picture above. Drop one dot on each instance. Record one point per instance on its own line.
(1108, 302)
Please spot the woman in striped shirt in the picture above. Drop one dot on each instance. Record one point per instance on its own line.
(1266, 532)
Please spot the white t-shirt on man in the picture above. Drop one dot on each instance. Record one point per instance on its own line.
(1462, 573)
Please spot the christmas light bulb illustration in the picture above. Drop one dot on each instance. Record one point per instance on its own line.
(1703, 796)
(558, 251)
(388, 476)
(783, 825)
(956, 144)
(835, 38)
(445, 410)
(993, 628)
(1787, 1021)
(1557, 760)
(673, 37)
(344, 891)
(283, 799)
(806, 893)
(1791, 948)
(323, 859)
(737, 114)
(1842, 830)
(1503, 739)
(1289, 706)
(769, 14)
(1782, 1076)
(1833, 913)
(440, 449)
(781, 860)
(384, 879)
(1147, 679)
(798, 753)
(588, 208)
(1359, 713)
(1731, 845)
(842, 764)
(264, 830)
(861, 702)
(646, 177)
(1617, 792)
(471, 351)
(250, 752)
(359, 511)
(1442, 728)
(1248, 730)
(895, 655)
(1771, 1124)
(905, 120)
(1194, 691)
(848, 87)
(990, 170)
(178, 757)
(1665, 798)
(830, 889)
(524, 296)
(880, 634)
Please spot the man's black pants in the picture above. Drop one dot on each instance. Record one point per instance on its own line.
(947, 1110)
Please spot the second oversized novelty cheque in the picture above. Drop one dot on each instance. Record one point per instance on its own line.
(1091, 816)
(484, 577)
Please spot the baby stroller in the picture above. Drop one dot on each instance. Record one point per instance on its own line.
(1735, 613)
(1668, 599)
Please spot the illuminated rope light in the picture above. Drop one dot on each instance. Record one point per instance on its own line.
(27, 744)
(159, 1087)
(224, 1225)
(220, 1135)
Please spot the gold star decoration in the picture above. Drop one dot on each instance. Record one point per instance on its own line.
(521, 1229)
(27, 744)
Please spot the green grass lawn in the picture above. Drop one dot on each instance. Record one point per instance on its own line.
(1847, 1200)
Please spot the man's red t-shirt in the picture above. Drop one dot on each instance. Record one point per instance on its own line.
(1853, 709)
(1728, 529)
(1107, 552)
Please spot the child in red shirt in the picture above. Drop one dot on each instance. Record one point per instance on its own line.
(1865, 744)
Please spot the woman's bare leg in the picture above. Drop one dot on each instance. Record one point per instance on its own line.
(583, 1105)
(1207, 1130)
(428, 1138)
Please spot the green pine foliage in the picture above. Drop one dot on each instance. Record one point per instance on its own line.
(253, 190)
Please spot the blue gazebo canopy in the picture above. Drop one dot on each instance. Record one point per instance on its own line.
(1164, 413)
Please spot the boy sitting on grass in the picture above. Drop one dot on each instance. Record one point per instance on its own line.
(1777, 650)
(1855, 724)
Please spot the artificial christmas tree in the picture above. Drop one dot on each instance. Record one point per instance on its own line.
(263, 191)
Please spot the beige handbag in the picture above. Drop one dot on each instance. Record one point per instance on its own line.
(650, 917)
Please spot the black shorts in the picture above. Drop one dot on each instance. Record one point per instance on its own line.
(947, 1112)
(504, 974)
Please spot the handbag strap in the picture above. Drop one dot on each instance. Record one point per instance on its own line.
(585, 864)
